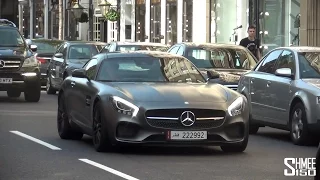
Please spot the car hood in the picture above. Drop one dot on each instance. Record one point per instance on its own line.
(313, 82)
(227, 76)
(172, 92)
(76, 64)
(13, 51)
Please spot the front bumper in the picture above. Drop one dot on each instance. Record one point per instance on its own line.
(22, 79)
(140, 130)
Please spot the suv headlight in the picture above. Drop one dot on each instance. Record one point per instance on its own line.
(30, 62)
(124, 106)
(236, 107)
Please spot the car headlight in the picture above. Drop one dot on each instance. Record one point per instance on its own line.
(236, 107)
(30, 62)
(124, 106)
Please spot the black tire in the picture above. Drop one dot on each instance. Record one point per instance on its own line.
(237, 148)
(33, 91)
(14, 94)
(253, 129)
(64, 128)
(100, 138)
(299, 132)
(49, 88)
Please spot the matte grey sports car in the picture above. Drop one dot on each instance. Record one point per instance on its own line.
(153, 98)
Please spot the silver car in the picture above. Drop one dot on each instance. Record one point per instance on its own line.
(284, 92)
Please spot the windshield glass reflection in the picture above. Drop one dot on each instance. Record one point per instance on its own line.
(309, 64)
(149, 69)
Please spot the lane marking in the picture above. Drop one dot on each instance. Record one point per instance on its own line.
(113, 171)
(35, 140)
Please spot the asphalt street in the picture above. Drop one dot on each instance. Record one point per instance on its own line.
(30, 149)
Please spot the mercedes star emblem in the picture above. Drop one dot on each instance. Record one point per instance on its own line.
(187, 118)
(2, 64)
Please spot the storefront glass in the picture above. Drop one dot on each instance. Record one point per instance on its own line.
(187, 20)
(223, 11)
(155, 21)
(140, 12)
(171, 22)
(277, 23)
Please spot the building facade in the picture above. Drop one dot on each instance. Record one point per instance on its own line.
(278, 22)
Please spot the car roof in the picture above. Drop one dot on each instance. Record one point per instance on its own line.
(156, 54)
(7, 23)
(301, 48)
(141, 43)
(212, 45)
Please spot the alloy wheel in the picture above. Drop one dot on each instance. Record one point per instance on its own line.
(97, 128)
(297, 124)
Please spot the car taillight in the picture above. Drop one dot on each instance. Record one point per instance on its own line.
(41, 60)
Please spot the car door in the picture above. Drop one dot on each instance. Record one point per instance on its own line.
(62, 66)
(52, 65)
(56, 81)
(259, 80)
(279, 89)
(84, 93)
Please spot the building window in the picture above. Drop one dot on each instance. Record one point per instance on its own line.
(140, 11)
(96, 29)
(187, 20)
(155, 21)
(171, 22)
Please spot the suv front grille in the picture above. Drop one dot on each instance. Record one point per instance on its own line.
(10, 64)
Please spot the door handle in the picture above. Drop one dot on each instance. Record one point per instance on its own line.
(73, 83)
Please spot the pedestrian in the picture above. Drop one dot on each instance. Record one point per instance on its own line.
(251, 42)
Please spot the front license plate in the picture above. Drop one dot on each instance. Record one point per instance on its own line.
(5, 80)
(187, 135)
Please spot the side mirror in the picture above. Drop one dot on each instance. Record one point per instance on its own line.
(284, 72)
(33, 48)
(58, 55)
(79, 73)
(212, 75)
(29, 42)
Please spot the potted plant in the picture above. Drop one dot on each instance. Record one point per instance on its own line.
(84, 18)
(112, 15)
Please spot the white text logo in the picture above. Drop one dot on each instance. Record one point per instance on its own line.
(300, 166)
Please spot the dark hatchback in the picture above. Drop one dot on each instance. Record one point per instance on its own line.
(227, 61)
(45, 51)
(69, 56)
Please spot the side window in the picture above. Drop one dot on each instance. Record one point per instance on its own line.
(286, 60)
(269, 63)
(180, 51)
(174, 50)
(91, 68)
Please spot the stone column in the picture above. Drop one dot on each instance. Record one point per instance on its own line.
(310, 23)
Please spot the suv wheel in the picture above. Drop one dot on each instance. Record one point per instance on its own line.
(13, 94)
(32, 92)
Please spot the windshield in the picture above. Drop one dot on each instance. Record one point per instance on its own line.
(149, 69)
(46, 47)
(82, 52)
(141, 47)
(309, 65)
(226, 58)
(11, 37)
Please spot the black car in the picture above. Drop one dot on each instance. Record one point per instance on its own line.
(45, 51)
(134, 46)
(227, 60)
(69, 56)
(19, 69)
(150, 98)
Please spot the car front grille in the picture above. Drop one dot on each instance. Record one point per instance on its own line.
(170, 118)
(10, 64)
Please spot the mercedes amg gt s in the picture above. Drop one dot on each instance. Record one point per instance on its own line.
(150, 98)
